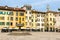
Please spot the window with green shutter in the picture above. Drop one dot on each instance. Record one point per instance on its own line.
(0, 23)
(3, 23)
(4, 13)
(8, 23)
(1, 12)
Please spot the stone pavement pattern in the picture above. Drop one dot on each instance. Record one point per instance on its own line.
(34, 36)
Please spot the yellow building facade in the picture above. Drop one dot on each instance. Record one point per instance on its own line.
(10, 17)
(32, 19)
(49, 20)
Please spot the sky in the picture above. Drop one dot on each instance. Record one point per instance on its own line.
(40, 5)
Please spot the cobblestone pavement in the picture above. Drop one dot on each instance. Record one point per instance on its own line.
(34, 36)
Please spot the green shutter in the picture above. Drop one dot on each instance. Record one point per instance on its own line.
(8, 23)
(0, 23)
(1, 12)
(3, 23)
(4, 13)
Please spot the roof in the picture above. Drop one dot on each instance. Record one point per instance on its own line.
(52, 12)
(34, 11)
(11, 8)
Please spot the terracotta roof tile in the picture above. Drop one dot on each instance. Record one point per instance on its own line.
(10, 8)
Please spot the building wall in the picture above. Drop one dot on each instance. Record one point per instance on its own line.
(28, 18)
(49, 20)
(6, 15)
(38, 20)
(21, 19)
(33, 21)
(13, 21)
(57, 19)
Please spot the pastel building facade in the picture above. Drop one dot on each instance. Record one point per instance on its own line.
(28, 16)
(57, 19)
(32, 19)
(9, 16)
(49, 20)
(38, 20)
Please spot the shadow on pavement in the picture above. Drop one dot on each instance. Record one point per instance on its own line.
(19, 33)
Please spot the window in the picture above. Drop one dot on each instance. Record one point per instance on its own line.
(47, 24)
(26, 17)
(42, 24)
(11, 23)
(50, 19)
(55, 15)
(50, 14)
(38, 19)
(16, 18)
(4, 13)
(26, 23)
(38, 15)
(29, 12)
(26, 12)
(11, 13)
(50, 23)
(53, 19)
(38, 24)
(42, 15)
(47, 19)
(21, 14)
(22, 19)
(7, 18)
(19, 18)
(19, 22)
(16, 23)
(42, 20)
(32, 24)
(35, 20)
(29, 23)
(7, 13)
(1, 18)
(23, 24)
(47, 14)
(16, 13)
(29, 17)
(8, 23)
(32, 20)
(11, 18)
(2, 23)
(1, 12)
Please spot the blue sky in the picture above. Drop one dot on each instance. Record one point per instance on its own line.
(36, 4)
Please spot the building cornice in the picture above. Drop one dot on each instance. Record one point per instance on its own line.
(10, 8)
